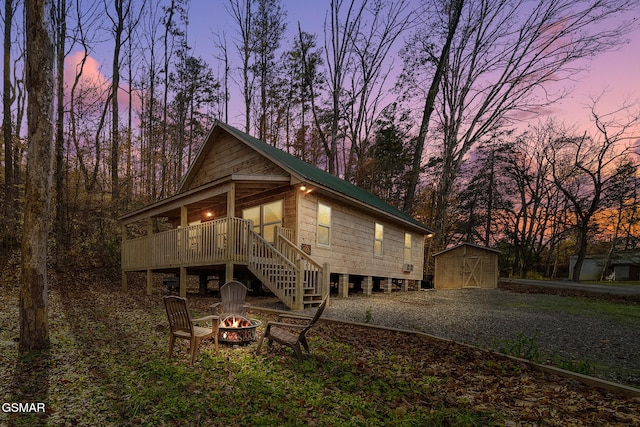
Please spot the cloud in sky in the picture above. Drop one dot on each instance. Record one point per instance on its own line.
(93, 77)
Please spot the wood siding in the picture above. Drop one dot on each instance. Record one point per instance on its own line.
(229, 156)
(352, 241)
(466, 266)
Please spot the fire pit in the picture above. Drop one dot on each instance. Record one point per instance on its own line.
(236, 329)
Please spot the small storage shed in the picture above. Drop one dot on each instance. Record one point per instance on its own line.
(466, 266)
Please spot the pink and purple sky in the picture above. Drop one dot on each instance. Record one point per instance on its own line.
(612, 76)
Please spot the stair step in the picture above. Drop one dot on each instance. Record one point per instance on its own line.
(312, 304)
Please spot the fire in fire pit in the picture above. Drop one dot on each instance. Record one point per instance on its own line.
(235, 329)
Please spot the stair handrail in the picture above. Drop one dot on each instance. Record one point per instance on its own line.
(290, 245)
(321, 282)
(288, 292)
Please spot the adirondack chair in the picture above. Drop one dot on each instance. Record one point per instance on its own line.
(290, 330)
(182, 326)
(233, 295)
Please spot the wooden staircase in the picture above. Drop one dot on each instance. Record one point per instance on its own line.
(287, 271)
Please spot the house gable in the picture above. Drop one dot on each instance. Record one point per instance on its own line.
(302, 172)
(223, 155)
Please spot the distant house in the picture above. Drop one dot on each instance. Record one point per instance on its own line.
(466, 266)
(623, 266)
(592, 267)
(248, 210)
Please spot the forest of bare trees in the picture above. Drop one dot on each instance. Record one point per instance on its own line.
(418, 102)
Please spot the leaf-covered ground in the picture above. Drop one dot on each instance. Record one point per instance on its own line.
(108, 366)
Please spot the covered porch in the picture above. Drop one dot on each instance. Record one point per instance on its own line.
(203, 233)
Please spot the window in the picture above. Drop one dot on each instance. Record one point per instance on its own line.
(378, 240)
(265, 219)
(271, 218)
(407, 248)
(253, 214)
(324, 224)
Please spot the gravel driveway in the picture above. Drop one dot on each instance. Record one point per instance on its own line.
(563, 330)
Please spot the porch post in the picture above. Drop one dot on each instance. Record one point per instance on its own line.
(228, 272)
(184, 219)
(231, 201)
(124, 273)
(343, 285)
(367, 286)
(298, 299)
(202, 282)
(326, 280)
(184, 222)
(183, 282)
(404, 285)
(388, 284)
(231, 232)
(149, 281)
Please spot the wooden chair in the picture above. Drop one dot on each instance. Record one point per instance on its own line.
(233, 295)
(182, 326)
(292, 334)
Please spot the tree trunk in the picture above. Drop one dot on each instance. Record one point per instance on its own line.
(9, 234)
(115, 84)
(429, 105)
(34, 330)
(60, 205)
(582, 252)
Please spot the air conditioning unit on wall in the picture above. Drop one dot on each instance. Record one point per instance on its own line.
(407, 268)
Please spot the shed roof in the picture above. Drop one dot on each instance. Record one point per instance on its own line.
(308, 173)
(486, 248)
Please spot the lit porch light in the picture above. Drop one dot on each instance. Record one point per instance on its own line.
(304, 189)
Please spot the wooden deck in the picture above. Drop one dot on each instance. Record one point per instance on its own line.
(212, 242)
(286, 270)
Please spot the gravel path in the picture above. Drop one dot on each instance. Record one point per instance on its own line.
(561, 328)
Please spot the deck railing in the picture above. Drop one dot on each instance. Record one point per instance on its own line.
(292, 275)
(276, 271)
(222, 240)
(314, 275)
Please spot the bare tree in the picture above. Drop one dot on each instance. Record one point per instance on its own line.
(175, 17)
(622, 207)
(220, 42)
(534, 220)
(60, 222)
(587, 170)
(267, 30)
(240, 11)
(85, 135)
(149, 138)
(302, 72)
(339, 34)
(383, 24)
(503, 57)
(8, 98)
(34, 329)
(453, 11)
(122, 11)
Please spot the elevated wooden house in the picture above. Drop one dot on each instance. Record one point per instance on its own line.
(248, 209)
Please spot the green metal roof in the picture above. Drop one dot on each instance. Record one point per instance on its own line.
(309, 173)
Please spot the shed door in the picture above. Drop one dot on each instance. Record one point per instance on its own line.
(471, 272)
